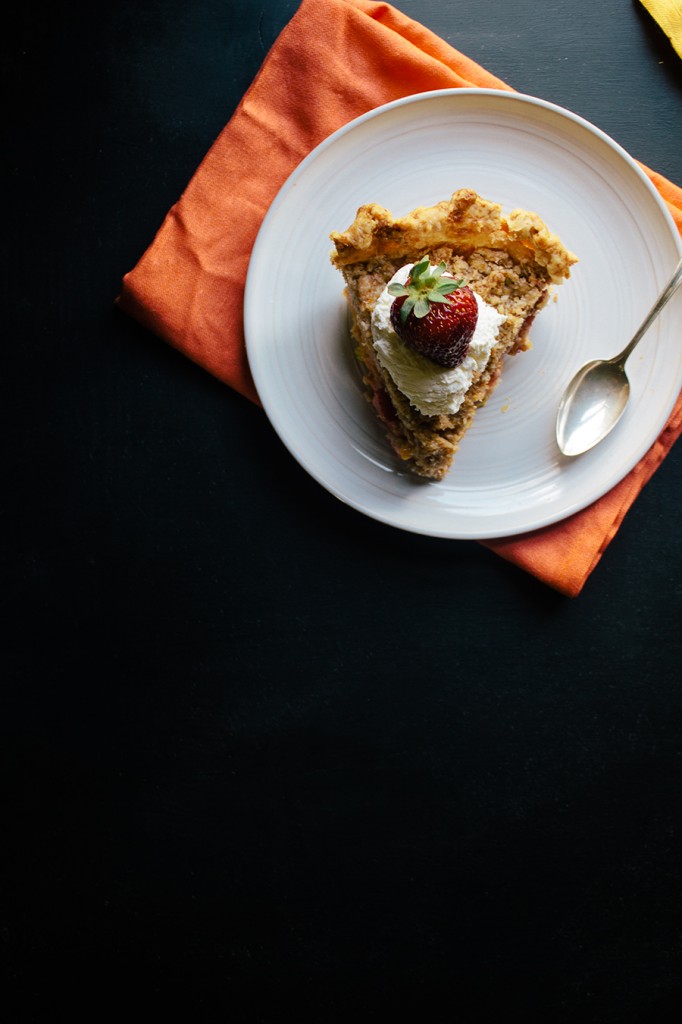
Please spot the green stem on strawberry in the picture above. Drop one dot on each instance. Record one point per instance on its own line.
(423, 287)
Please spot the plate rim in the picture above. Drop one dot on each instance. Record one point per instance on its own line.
(365, 507)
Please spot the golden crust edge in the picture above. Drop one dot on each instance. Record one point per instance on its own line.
(466, 221)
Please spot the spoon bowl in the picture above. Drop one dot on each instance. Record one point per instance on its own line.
(598, 394)
(592, 404)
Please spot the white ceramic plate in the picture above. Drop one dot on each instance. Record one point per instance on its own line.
(508, 476)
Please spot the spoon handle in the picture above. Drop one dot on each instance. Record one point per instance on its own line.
(667, 293)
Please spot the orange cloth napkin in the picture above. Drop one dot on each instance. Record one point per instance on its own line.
(335, 60)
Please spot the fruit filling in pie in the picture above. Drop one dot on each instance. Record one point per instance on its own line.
(437, 300)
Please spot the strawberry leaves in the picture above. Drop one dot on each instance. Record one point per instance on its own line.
(424, 287)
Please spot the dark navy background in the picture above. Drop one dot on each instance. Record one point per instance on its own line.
(264, 757)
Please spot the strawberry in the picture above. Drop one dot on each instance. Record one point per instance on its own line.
(434, 314)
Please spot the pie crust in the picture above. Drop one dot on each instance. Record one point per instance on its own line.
(510, 260)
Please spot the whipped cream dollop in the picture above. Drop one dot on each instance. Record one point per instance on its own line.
(432, 389)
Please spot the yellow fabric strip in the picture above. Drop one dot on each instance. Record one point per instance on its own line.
(668, 14)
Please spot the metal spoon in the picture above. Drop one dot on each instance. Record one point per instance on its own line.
(595, 399)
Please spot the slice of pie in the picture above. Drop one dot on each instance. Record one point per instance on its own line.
(509, 262)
